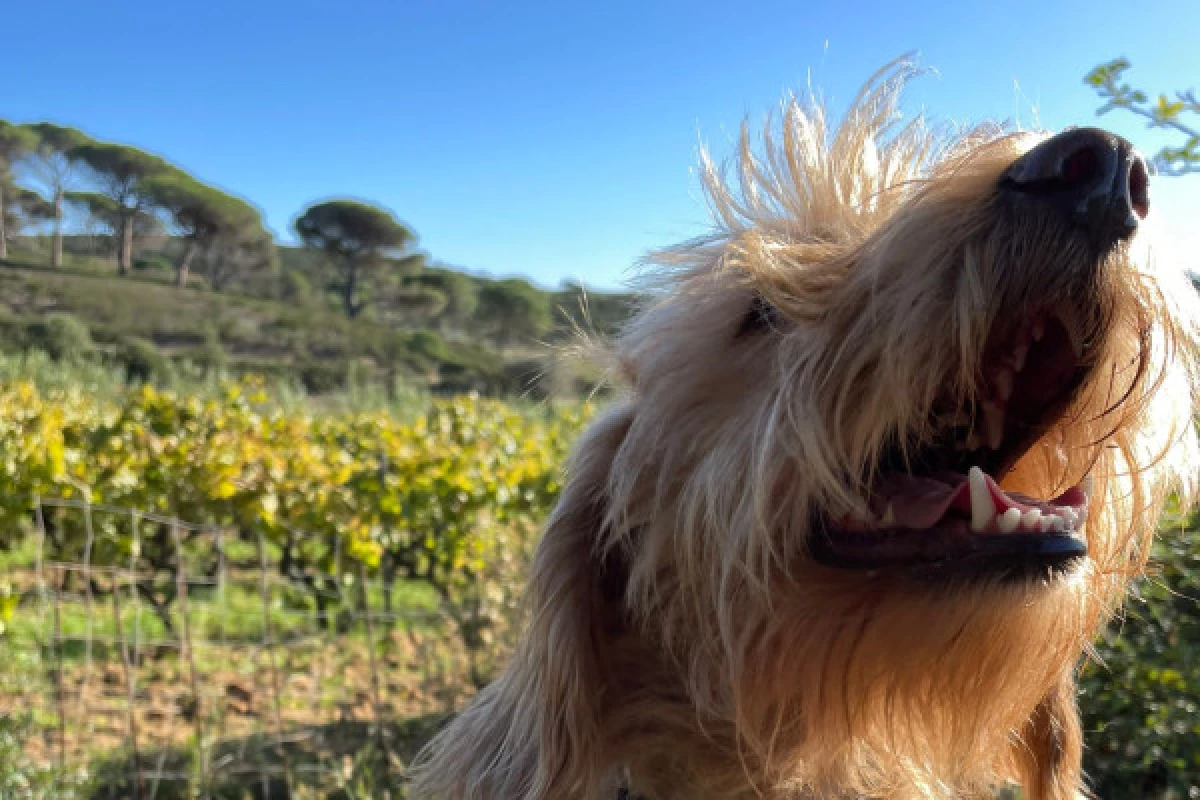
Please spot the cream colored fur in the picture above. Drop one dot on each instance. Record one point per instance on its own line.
(682, 641)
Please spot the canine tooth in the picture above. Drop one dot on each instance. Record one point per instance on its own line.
(1031, 519)
(1069, 517)
(982, 507)
(889, 517)
(1088, 484)
(1056, 523)
(1009, 520)
(993, 419)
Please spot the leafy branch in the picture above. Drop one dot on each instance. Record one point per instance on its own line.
(1163, 112)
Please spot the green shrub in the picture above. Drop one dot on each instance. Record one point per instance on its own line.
(429, 348)
(1141, 702)
(20, 779)
(154, 262)
(143, 362)
(64, 337)
(319, 378)
(295, 287)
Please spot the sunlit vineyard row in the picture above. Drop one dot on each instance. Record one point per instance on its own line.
(435, 497)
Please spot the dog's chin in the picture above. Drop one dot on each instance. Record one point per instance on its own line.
(938, 512)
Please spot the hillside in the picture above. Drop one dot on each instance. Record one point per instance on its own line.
(428, 328)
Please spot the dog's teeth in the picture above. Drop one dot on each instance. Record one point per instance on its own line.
(1070, 518)
(993, 419)
(1053, 522)
(1088, 484)
(983, 510)
(1031, 519)
(1009, 520)
(889, 517)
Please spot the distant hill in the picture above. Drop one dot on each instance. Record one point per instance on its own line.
(427, 326)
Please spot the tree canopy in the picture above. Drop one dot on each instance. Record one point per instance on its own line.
(515, 309)
(120, 172)
(15, 142)
(49, 160)
(200, 213)
(355, 237)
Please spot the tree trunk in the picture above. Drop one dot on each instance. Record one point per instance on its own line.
(125, 257)
(350, 290)
(56, 255)
(185, 265)
(3, 231)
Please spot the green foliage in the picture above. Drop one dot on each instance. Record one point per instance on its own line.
(143, 363)
(64, 337)
(207, 218)
(451, 500)
(51, 140)
(1141, 702)
(155, 262)
(354, 237)
(1162, 112)
(119, 167)
(514, 310)
(459, 291)
(98, 205)
(295, 287)
(15, 142)
(120, 173)
(21, 779)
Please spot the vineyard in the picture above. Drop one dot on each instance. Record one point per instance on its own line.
(160, 541)
(422, 500)
(215, 594)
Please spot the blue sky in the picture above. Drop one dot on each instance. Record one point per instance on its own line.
(555, 139)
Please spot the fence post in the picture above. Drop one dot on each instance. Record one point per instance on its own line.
(269, 642)
(130, 679)
(59, 700)
(376, 704)
(181, 592)
(88, 601)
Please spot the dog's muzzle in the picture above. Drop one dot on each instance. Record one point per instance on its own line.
(1093, 177)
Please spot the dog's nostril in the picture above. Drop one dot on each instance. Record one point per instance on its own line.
(1139, 188)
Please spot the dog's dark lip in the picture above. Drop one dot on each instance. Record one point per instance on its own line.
(949, 551)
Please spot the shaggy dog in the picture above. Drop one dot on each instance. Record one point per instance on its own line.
(897, 437)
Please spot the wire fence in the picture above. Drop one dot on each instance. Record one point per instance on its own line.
(210, 669)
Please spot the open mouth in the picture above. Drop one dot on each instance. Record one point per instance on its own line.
(942, 506)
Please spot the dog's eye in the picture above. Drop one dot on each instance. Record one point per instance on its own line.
(761, 318)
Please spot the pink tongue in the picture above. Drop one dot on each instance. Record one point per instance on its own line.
(920, 501)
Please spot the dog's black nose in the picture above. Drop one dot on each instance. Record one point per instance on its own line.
(1094, 177)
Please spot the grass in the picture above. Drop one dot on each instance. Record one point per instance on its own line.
(257, 671)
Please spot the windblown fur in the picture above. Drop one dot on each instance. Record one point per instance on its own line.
(682, 641)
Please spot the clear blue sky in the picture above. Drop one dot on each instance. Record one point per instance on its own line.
(555, 139)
